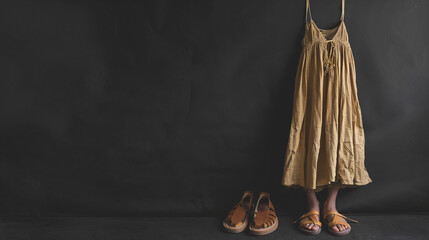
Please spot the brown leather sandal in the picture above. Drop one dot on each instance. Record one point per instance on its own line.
(338, 219)
(313, 220)
(237, 219)
(264, 220)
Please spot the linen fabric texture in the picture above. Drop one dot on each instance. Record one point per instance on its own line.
(326, 146)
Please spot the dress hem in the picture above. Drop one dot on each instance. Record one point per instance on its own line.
(325, 186)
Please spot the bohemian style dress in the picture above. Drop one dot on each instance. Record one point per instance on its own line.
(326, 142)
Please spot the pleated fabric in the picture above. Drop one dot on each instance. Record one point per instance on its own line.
(326, 145)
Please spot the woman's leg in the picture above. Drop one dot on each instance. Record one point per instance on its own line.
(313, 204)
(330, 205)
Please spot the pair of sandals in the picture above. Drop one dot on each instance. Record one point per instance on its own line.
(337, 219)
(262, 216)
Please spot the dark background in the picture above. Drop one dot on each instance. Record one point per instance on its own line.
(174, 108)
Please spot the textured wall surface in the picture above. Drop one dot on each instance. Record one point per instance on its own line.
(143, 108)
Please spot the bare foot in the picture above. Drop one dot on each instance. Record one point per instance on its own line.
(311, 226)
(330, 217)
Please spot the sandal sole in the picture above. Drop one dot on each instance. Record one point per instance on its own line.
(238, 229)
(341, 233)
(310, 232)
(265, 231)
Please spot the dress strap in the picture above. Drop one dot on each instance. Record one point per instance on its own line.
(307, 10)
(342, 10)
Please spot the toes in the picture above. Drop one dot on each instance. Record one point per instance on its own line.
(335, 228)
(342, 227)
(310, 226)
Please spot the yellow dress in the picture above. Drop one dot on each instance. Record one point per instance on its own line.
(326, 142)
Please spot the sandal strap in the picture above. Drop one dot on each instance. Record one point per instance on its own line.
(310, 215)
(239, 211)
(264, 218)
(310, 221)
(336, 218)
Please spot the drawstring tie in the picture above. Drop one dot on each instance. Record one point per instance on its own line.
(329, 57)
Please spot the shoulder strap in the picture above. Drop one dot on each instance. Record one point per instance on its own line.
(307, 10)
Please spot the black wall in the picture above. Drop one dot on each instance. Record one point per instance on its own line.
(142, 108)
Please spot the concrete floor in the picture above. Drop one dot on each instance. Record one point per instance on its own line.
(188, 228)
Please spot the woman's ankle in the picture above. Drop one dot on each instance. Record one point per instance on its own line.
(313, 205)
(329, 206)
